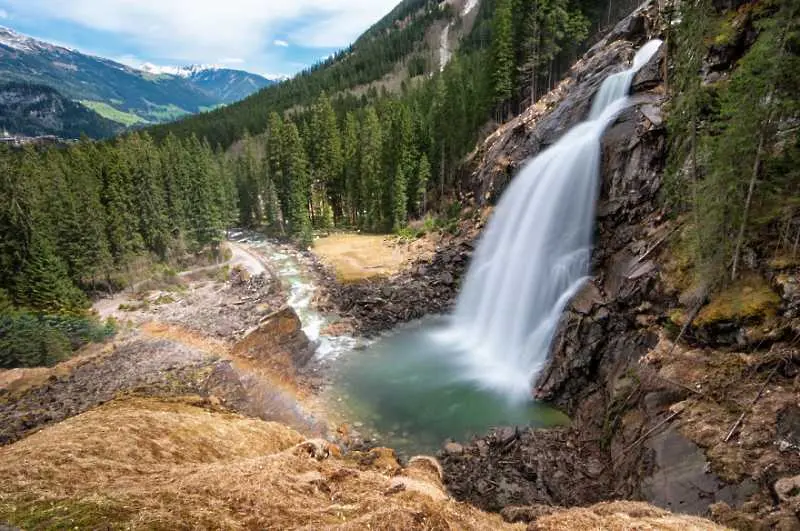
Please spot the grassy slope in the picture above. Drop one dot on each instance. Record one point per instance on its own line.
(107, 111)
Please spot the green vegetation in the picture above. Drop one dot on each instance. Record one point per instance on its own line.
(165, 113)
(107, 111)
(374, 163)
(734, 143)
(33, 110)
(83, 219)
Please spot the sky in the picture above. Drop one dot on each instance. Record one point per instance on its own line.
(268, 37)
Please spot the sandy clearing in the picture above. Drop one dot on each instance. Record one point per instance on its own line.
(358, 256)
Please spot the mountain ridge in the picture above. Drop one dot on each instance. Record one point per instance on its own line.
(100, 83)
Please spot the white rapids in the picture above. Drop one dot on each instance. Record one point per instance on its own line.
(534, 255)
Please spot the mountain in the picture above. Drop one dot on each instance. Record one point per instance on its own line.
(118, 92)
(413, 42)
(227, 85)
(35, 110)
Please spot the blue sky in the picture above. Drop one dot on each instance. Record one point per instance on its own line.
(269, 37)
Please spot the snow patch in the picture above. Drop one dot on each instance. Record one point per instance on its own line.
(22, 43)
(179, 71)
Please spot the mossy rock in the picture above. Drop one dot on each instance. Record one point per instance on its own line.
(750, 300)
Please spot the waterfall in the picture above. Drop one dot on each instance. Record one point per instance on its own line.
(534, 254)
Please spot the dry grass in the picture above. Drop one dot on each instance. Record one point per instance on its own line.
(621, 516)
(16, 381)
(146, 464)
(172, 465)
(359, 256)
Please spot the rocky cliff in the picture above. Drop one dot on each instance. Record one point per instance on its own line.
(652, 419)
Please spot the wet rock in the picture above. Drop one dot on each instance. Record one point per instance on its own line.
(683, 480)
(651, 74)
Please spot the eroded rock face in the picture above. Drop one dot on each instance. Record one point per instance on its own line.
(649, 421)
(278, 341)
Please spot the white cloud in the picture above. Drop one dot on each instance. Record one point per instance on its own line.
(3, 14)
(278, 42)
(194, 30)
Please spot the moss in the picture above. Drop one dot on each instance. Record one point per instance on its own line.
(784, 262)
(65, 514)
(678, 271)
(750, 300)
(727, 30)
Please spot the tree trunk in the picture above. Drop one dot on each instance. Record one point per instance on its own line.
(740, 237)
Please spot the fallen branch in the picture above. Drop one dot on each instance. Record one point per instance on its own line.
(657, 244)
(687, 324)
(752, 404)
(651, 431)
(678, 384)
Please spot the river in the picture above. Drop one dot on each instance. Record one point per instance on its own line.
(405, 389)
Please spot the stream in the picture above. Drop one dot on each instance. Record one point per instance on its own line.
(404, 390)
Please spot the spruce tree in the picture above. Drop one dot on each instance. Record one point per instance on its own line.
(502, 55)
(296, 167)
(371, 186)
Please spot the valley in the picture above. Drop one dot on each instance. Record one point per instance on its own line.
(116, 95)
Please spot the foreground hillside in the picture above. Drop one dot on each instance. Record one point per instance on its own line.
(177, 464)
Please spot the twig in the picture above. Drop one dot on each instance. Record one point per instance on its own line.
(678, 384)
(689, 321)
(651, 431)
(752, 404)
(657, 244)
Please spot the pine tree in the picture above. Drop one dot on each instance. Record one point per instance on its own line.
(423, 176)
(274, 148)
(44, 284)
(399, 200)
(143, 164)
(326, 160)
(296, 168)
(117, 197)
(371, 189)
(205, 217)
(503, 55)
(350, 151)
(83, 238)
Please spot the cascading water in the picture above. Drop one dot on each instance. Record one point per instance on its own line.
(534, 255)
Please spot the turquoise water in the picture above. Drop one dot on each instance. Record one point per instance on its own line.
(407, 391)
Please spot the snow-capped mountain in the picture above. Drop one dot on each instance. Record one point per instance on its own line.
(23, 43)
(180, 71)
(119, 92)
(227, 84)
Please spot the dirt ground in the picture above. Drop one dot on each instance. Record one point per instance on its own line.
(358, 256)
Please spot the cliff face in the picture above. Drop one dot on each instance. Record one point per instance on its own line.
(651, 419)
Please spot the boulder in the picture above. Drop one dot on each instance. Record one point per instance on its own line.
(278, 342)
